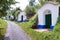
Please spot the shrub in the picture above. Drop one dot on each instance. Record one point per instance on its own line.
(58, 19)
(3, 26)
(57, 27)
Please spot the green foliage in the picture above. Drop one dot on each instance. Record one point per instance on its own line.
(15, 12)
(31, 2)
(5, 5)
(42, 2)
(32, 21)
(33, 18)
(58, 19)
(58, 1)
(3, 26)
(30, 11)
(52, 35)
(3, 13)
(57, 27)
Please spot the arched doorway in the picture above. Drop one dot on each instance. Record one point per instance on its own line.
(22, 18)
(48, 18)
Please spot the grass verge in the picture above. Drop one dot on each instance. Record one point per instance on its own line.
(3, 26)
(52, 35)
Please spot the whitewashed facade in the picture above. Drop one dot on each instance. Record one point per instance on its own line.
(48, 8)
(20, 18)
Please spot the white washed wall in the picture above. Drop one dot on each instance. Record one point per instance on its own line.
(41, 18)
(55, 15)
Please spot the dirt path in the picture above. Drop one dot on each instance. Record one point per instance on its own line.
(14, 32)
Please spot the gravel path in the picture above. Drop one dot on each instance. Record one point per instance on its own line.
(14, 32)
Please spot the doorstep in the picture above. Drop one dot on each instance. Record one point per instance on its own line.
(41, 30)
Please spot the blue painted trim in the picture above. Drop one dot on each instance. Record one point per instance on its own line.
(22, 21)
(19, 21)
(51, 27)
(41, 26)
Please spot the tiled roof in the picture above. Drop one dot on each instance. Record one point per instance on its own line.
(50, 2)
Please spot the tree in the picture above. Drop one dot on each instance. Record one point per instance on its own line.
(30, 11)
(31, 2)
(15, 13)
(54, 0)
(58, 1)
(5, 5)
(42, 1)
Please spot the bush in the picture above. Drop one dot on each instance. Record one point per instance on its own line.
(57, 27)
(30, 11)
(58, 19)
(33, 20)
(3, 26)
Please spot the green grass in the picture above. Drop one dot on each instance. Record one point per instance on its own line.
(52, 35)
(3, 26)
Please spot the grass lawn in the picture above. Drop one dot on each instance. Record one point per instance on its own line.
(3, 26)
(52, 35)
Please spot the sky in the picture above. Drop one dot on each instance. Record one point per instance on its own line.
(22, 4)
